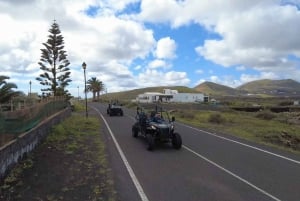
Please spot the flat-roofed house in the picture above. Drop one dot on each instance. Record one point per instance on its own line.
(169, 95)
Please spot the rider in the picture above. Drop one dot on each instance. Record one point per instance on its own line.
(157, 118)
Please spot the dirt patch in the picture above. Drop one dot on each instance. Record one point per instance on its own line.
(72, 168)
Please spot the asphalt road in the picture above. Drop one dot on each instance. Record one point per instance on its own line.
(208, 167)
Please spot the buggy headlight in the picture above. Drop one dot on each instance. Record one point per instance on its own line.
(153, 127)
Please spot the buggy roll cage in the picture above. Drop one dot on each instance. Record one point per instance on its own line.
(141, 110)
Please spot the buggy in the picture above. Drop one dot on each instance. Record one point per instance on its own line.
(114, 109)
(156, 127)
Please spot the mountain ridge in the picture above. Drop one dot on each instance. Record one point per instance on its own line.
(262, 88)
(284, 87)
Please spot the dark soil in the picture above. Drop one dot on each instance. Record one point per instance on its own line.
(50, 173)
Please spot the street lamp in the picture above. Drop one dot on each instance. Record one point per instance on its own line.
(30, 88)
(84, 67)
(78, 92)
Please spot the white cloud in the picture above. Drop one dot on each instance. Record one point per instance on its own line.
(166, 48)
(200, 82)
(157, 64)
(215, 79)
(157, 78)
(240, 68)
(138, 67)
(158, 11)
(258, 34)
(106, 43)
(252, 34)
(254, 38)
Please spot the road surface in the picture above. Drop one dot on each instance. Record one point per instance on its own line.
(208, 167)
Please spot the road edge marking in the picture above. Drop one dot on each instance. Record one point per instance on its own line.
(243, 144)
(231, 173)
(125, 161)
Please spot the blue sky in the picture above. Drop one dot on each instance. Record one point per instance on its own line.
(131, 44)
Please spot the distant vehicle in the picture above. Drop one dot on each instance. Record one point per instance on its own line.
(156, 127)
(114, 109)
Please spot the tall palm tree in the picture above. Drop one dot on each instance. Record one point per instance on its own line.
(99, 89)
(6, 90)
(95, 86)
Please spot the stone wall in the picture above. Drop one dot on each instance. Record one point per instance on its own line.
(15, 150)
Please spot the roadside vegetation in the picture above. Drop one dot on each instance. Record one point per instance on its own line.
(71, 164)
(281, 130)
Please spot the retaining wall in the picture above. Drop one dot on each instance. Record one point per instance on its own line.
(15, 150)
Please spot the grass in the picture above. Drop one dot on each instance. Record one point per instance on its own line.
(76, 131)
(265, 128)
(84, 165)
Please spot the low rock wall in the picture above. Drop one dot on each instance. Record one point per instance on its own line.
(15, 150)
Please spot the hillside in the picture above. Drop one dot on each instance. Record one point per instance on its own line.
(214, 89)
(132, 94)
(264, 87)
(287, 87)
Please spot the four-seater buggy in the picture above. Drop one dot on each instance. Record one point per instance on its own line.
(156, 127)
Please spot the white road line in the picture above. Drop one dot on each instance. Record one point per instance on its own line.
(229, 172)
(125, 161)
(232, 174)
(240, 143)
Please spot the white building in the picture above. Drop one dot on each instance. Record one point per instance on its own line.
(169, 95)
(170, 91)
(188, 97)
(151, 97)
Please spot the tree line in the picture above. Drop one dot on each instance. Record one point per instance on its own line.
(55, 76)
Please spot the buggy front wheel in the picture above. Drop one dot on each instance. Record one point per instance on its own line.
(150, 141)
(176, 141)
(135, 132)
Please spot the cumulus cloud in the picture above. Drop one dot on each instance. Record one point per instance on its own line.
(261, 38)
(166, 48)
(106, 43)
(157, 11)
(157, 78)
(254, 39)
(257, 34)
(157, 64)
(260, 35)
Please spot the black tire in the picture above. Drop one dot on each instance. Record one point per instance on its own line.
(176, 141)
(150, 141)
(121, 113)
(135, 132)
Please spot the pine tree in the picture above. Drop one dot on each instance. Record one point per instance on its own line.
(54, 63)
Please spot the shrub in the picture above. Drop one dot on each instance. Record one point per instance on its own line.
(216, 118)
(265, 115)
(286, 103)
(186, 114)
